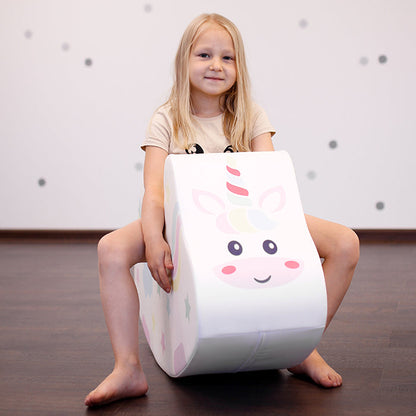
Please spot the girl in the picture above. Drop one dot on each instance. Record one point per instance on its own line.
(209, 110)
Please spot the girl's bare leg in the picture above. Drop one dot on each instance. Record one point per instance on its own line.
(339, 246)
(117, 252)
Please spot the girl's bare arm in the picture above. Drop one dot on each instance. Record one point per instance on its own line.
(262, 143)
(158, 255)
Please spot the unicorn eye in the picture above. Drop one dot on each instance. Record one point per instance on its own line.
(269, 247)
(235, 248)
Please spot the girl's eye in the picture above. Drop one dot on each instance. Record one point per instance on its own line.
(203, 55)
(228, 58)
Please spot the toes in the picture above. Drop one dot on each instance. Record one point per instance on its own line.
(325, 377)
(98, 397)
(93, 398)
(332, 380)
(89, 401)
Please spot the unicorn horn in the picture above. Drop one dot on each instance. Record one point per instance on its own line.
(237, 192)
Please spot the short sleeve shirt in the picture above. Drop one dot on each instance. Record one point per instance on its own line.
(209, 134)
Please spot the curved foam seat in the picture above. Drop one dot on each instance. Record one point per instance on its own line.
(248, 287)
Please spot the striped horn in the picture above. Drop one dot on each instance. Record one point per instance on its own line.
(237, 193)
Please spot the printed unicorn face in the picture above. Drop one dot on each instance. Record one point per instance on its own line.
(255, 267)
(257, 272)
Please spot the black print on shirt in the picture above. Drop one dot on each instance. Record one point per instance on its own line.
(196, 148)
(229, 149)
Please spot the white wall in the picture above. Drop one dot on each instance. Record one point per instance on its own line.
(79, 80)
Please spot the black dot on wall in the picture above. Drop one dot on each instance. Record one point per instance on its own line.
(148, 8)
(303, 23)
(41, 182)
(28, 34)
(380, 205)
(382, 59)
(333, 144)
(88, 62)
(311, 175)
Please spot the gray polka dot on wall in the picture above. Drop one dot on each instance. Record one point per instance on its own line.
(382, 59)
(138, 166)
(363, 61)
(380, 205)
(88, 62)
(311, 175)
(41, 182)
(28, 34)
(148, 7)
(333, 144)
(303, 23)
(65, 47)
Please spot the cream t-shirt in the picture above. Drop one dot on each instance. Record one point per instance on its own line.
(209, 134)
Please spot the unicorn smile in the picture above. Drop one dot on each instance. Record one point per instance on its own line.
(264, 280)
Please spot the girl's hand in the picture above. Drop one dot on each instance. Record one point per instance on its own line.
(159, 261)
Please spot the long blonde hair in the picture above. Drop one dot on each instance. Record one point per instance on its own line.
(237, 121)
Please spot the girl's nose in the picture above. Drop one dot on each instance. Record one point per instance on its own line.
(215, 66)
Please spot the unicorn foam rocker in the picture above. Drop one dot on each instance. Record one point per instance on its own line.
(248, 291)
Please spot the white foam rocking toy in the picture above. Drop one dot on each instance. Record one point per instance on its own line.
(248, 287)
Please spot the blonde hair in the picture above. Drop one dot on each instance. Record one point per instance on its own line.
(237, 121)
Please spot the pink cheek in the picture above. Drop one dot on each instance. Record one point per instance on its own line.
(228, 270)
(292, 264)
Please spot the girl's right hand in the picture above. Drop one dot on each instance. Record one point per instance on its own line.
(159, 261)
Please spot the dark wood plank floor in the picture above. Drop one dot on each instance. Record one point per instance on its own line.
(54, 345)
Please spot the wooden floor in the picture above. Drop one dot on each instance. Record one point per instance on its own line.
(54, 345)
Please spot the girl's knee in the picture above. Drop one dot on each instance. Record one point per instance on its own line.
(348, 246)
(110, 252)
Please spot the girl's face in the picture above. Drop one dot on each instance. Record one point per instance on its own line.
(212, 67)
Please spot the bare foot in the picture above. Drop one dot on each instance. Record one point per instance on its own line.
(120, 384)
(315, 367)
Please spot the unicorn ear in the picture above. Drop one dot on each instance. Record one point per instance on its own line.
(208, 202)
(273, 200)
